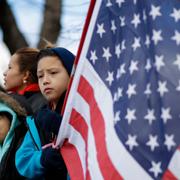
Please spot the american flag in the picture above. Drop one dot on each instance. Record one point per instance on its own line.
(122, 116)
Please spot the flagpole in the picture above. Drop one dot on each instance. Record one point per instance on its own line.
(85, 28)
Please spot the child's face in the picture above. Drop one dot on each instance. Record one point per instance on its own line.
(4, 127)
(53, 78)
(13, 78)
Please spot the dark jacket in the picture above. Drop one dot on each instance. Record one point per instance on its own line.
(48, 123)
(35, 99)
(13, 139)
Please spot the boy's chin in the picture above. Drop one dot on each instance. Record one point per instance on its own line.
(49, 98)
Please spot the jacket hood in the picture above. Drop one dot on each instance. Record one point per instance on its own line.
(11, 106)
(12, 103)
(66, 57)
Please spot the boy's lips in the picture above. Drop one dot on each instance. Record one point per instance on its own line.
(47, 90)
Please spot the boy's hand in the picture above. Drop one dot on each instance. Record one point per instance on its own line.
(51, 159)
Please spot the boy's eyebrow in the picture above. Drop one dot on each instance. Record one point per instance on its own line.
(52, 68)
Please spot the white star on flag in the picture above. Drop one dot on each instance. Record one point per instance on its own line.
(169, 141)
(177, 61)
(136, 43)
(150, 116)
(165, 114)
(131, 90)
(117, 50)
(117, 117)
(110, 78)
(147, 42)
(121, 71)
(120, 2)
(123, 47)
(133, 67)
(93, 57)
(155, 11)
(156, 168)
(122, 21)
(152, 142)
(131, 142)
(176, 37)
(148, 65)
(100, 29)
(113, 26)
(106, 53)
(157, 36)
(136, 20)
(130, 116)
(159, 62)
(148, 90)
(162, 88)
(175, 14)
(108, 4)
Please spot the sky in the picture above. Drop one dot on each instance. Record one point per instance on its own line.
(28, 15)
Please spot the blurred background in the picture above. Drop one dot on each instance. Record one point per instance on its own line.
(32, 22)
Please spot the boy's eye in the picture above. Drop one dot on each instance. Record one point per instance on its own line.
(53, 72)
(40, 76)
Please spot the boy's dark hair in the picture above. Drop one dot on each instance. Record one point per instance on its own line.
(65, 56)
(27, 59)
(45, 52)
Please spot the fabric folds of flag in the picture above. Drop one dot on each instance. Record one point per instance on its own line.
(122, 116)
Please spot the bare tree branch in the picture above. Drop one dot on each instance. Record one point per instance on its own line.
(12, 37)
(51, 25)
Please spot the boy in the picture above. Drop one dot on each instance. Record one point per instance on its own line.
(36, 158)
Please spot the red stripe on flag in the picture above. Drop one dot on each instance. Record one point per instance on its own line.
(98, 126)
(168, 175)
(72, 160)
(78, 122)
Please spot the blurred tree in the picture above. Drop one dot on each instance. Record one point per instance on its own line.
(50, 28)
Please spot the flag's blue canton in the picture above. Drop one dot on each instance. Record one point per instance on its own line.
(135, 49)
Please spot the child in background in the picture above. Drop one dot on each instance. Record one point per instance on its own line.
(20, 77)
(36, 158)
(12, 132)
(5, 122)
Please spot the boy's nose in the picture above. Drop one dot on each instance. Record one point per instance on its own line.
(45, 80)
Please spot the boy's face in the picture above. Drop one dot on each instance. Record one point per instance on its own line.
(4, 127)
(53, 78)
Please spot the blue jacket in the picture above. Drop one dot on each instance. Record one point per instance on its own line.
(28, 155)
(34, 162)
